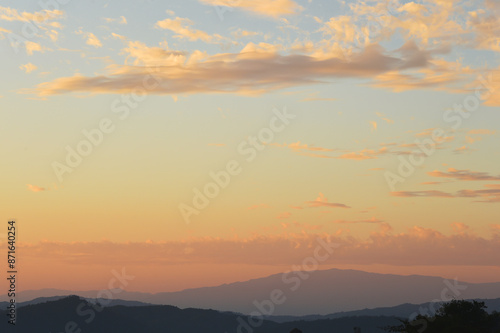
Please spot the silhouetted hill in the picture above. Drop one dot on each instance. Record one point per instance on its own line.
(400, 311)
(112, 302)
(72, 313)
(323, 292)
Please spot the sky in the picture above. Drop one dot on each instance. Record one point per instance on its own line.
(200, 142)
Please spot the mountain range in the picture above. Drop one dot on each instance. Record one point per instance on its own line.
(75, 314)
(320, 292)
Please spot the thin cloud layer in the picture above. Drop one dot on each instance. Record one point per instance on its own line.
(322, 201)
(417, 246)
(489, 195)
(372, 220)
(467, 175)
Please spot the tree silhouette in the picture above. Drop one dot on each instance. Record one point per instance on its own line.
(295, 330)
(456, 316)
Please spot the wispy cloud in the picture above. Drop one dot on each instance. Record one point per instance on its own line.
(34, 188)
(365, 154)
(28, 68)
(32, 47)
(372, 220)
(120, 20)
(271, 8)
(468, 175)
(182, 28)
(489, 195)
(482, 132)
(284, 215)
(322, 201)
(11, 14)
(90, 38)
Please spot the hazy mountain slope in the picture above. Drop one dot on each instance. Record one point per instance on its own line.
(323, 292)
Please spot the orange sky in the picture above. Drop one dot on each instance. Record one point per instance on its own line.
(227, 138)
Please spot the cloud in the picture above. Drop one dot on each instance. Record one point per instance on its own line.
(489, 81)
(389, 121)
(438, 74)
(461, 228)
(240, 33)
(271, 8)
(257, 69)
(42, 22)
(372, 220)
(470, 139)
(415, 246)
(28, 68)
(298, 147)
(35, 188)
(117, 36)
(322, 201)
(342, 29)
(10, 14)
(426, 21)
(482, 132)
(432, 193)
(373, 124)
(2, 31)
(53, 35)
(284, 215)
(120, 20)
(486, 28)
(364, 154)
(313, 151)
(181, 26)
(138, 54)
(32, 47)
(462, 150)
(466, 175)
(436, 134)
(489, 195)
(92, 40)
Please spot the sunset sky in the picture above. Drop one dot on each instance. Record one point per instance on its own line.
(371, 124)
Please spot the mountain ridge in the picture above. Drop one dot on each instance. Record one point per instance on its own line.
(320, 292)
